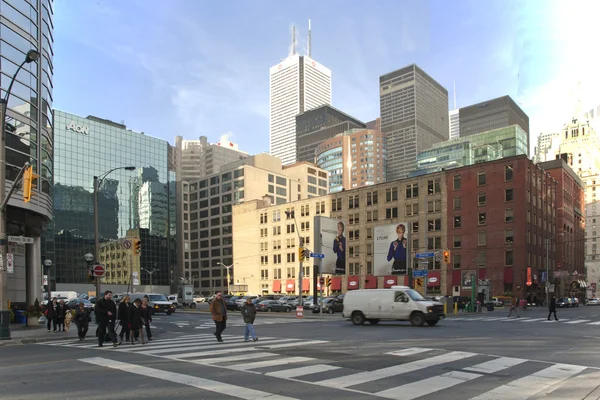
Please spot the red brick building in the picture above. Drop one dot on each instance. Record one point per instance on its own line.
(499, 215)
(570, 237)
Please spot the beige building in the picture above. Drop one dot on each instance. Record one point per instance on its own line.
(122, 265)
(266, 241)
(207, 245)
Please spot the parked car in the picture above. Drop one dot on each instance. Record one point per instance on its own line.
(231, 303)
(74, 304)
(273, 305)
(241, 300)
(593, 301)
(575, 302)
(330, 305)
(563, 303)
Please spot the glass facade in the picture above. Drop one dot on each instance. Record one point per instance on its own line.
(27, 25)
(132, 204)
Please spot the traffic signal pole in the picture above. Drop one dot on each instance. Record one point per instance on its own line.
(96, 237)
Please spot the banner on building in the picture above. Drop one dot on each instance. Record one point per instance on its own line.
(468, 277)
(391, 246)
(330, 240)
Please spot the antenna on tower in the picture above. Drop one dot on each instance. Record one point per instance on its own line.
(308, 47)
(454, 95)
(293, 51)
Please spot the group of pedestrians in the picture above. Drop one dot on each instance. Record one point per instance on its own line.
(518, 306)
(218, 309)
(55, 314)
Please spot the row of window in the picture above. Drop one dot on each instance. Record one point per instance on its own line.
(277, 272)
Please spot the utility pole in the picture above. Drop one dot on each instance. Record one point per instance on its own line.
(228, 275)
(150, 272)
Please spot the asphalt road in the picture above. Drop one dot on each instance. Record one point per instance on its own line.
(481, 356)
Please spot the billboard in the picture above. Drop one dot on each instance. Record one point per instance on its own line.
(391, 246)
(330, 240)
(468, 277)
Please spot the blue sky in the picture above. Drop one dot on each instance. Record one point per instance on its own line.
(194, 67)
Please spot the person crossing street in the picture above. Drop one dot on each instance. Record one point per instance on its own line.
(218, 309)
(552, 308)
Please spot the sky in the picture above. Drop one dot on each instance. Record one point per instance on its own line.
(194, 67)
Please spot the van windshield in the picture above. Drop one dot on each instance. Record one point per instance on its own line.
(416, 296)
(157, 297)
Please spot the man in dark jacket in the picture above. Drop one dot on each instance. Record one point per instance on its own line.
(552, 308)
(249, 314)
(218, 309)
(106, 315)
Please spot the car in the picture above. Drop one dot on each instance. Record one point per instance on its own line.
(157, 302)
(330, 305)
(273, 305)
(593, 301)
(563, 303)
(241, 300)
(74, 304)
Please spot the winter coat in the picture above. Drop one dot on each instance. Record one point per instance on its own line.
(82, 317)
(135, 317)
(51, 311)
(249, 313)
(552, 305)
(218, 309)
(146, 315)
(103, 307)
(61, 311)
(123, 314)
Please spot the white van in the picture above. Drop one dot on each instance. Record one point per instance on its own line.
(400, 303)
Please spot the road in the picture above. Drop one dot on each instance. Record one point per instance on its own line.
(481, 356)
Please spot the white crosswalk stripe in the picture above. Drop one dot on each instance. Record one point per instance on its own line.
(454, 374)
(257, 322)
(525, 320)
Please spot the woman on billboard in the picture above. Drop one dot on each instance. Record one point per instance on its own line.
(397, 251)
(339, 248)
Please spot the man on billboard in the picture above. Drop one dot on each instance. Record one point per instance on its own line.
(397, 251)
(339, 248)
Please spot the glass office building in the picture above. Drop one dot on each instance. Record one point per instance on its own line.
(132, 204)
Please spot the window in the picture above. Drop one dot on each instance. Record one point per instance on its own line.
(354, 235)
(509, 236)
(372, 216)
(434, 225)
(508, 173)
(508, 194)
(457, 221)
(264, 246)
(276, 215)
(434, 206)
(291, 228)
(391, 194)
(263, 218)
(305, 211)
(264, 232)
(434, 243)
(457, 205)
(369, 233)
(264, 274)
(481, 259)
(508, 215)
(238, 173)
(291, 257)
(456, 261)
(276, 230)
(369, 249)
(276, 258)
(391, 212)
(481, 199)
(277, 273)
(456, 182)
(481, 238)
(320, 208)
(291, 273)
(289, 213)
(305, 226)
(336, 204)
(415, 227)
(480, 178)
(371, 198)
(433, 186)
(482, 220)
(291, 243)
(456, 241)
(264, 260)
(508, 257)
(353, 202)
(281, 181)
(276, 244)
(412, 190)
(415, 244)
(412, 209)
(353, 251)
(354, 219)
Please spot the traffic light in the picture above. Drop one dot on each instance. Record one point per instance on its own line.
(301, 254)
(446, 256)
(137, 246)
(28, 178)
(328, 281)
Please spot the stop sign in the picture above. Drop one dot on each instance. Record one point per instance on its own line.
(322, 281)
(98, 270)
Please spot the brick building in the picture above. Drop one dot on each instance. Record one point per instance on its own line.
(500, 214)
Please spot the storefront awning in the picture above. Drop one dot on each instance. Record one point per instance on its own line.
(352, 282)
(276, 286)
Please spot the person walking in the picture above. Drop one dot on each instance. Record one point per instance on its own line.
(147, 317)
(249, 314)
(50, 314)
(136, 323)
(218, 309)
(61, 312)
(552, 308)
(124, 318)
(515, 307)
(106, 315)
(82, 320)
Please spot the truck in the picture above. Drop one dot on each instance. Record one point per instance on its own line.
(186, 294)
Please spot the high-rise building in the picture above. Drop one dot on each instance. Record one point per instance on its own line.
(454, 120)
(207, 214)
(297, 84)
(197, 158)
(319, 124)
(414, 115)
(24, 26)
(492, 114)
(355, 158)
(139, 202)
(546, 142)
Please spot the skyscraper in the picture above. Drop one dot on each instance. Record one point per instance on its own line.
(454, 120)
(197, 158)
(297, 84)
(414, 114)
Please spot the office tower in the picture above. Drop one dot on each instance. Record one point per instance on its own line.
(197, 158)
(454, 120)
(414, 115)
(546, 148)
(297, 84)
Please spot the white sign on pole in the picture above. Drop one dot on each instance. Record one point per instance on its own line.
(20, 240)
(45, 280)
(136, 280)
(10, 266)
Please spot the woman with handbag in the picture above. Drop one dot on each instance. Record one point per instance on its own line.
(136, 323)
(147, 317)
(124, 318)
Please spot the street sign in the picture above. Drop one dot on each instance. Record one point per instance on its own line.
(20, 240)
(322, 281)
(98, 270)
(420, 272)
(10, 266)
(126, 244)
(317, 255)
(45, 280)
(425, 255)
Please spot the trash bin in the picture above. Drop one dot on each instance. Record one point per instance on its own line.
(490, 307)
(20, 317)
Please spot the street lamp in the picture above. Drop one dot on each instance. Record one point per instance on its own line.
(97, 183)
(32, 55)
(47, 265)
(547, 265)
(150, 272)
(228, 277)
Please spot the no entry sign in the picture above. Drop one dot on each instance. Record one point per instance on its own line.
(98, 270)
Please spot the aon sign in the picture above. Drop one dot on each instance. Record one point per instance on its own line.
(84, 130)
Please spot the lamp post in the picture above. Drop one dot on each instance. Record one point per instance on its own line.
(150, 272)
(97, 183)
(547, 266)
(228, 276)
(47, 265)
(32, 55)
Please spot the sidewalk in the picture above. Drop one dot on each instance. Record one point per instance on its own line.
(22, 334)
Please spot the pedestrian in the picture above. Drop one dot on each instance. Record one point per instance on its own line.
(147, 317)
(106, 315)
(136, 324)
(123, 316)
(218, 309)
(61, 311)
(249, 314)
(516, 307)
(552, 308)
(50, 314)
(68, 319)
(82, 320)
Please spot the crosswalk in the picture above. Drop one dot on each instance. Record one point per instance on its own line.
(257, 322)
(403, 373)
(527, 320)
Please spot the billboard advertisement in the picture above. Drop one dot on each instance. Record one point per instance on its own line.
(330, 240)
(391, 246)
(468, 277)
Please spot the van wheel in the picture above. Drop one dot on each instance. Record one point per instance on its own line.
(192, 305)
(432, 323)
(417, 319)
(358, 318)
(373, 321)
(288, 309)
